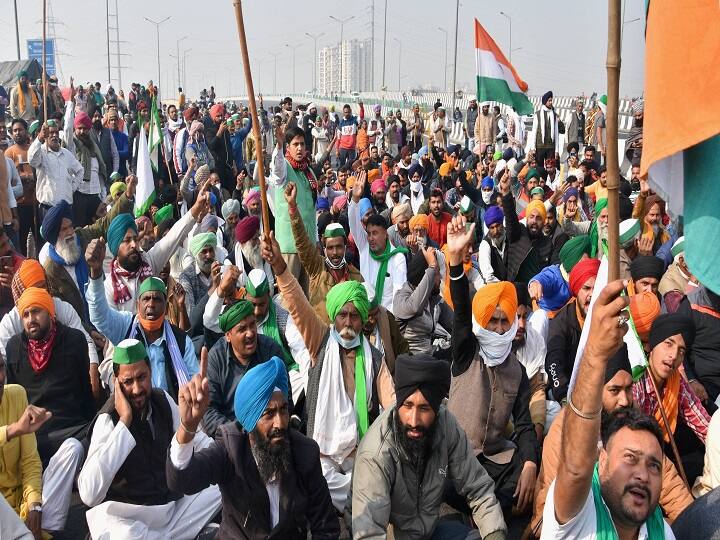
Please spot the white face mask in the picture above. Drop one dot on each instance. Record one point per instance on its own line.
(486, 196)
(416, 187)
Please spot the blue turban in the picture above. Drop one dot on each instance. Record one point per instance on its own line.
(210, 221)
(117, 230)
(570, 192)
(322, 204)
(493, 214)
(547, 95)
(213, 199)
(454, 149)
(255, 389)
(508, 154)
(414, 168)
(364, 205)
(487, 182)
(52, 222)
(423, 151)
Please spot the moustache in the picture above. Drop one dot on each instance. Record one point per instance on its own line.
(348, 333)
(639, 487)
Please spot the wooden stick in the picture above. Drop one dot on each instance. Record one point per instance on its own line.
(44, 77)
(259, 163)
(611, 152)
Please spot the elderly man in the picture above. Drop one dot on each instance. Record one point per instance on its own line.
(197, 278)
(678, 280)
(347, 379)
(24, 101)
(231, 212)
(170, 350)
(398, 232)
(50, 361)
(123, 478)
(379, 259)
(483, 131)
(95, 171)
(130, 266)
(248, 254)
(486, 373)
(417, 435)
(268, 473)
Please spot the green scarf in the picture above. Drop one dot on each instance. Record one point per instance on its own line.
(605, 526)
(271, 330)
(384, 258)
(360, 389)
(85, 153)
(601, 204)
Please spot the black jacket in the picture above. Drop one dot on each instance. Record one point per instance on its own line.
(221, 149)
(304, 497)
(522, 260)
(562, 345)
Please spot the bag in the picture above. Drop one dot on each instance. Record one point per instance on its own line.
(561, 127)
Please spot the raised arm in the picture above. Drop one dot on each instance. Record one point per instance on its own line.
(354, 217)
(310, 258)
(407, 305)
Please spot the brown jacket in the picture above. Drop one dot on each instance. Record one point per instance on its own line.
(321, 280)
(484, 129)
(674, 496)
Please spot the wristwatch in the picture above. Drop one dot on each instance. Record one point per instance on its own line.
(37, 507)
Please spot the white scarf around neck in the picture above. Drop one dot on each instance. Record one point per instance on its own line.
(494, 348)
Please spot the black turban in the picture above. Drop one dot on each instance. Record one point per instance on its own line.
(672, 324)
(416, 269)
(522, 294)
(421, 372)
(617, 362)
(644, 266)
(547, 95)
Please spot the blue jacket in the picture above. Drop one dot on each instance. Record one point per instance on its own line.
(237, 139)
(556, 291)
(123, 148)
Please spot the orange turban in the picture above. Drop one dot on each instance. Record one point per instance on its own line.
(31, 272)
(445, 169)
(36, 297)
(373, 174)
(536, 205)
(491, 296)
(644, 308)
(350, 182)
(419, 220)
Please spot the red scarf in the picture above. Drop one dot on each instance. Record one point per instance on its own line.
(121, 293)
(304, 166)
(39, 350)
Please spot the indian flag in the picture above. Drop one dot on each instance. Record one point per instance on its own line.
(497, 80)
(145, 190)
(681, 125)
(155, 136)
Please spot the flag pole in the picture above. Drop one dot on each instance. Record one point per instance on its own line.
(44, 60)
(253, 112)
(611, 156)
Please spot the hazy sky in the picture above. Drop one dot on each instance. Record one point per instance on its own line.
(559, 45)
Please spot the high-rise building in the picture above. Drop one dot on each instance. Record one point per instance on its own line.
(353, 74)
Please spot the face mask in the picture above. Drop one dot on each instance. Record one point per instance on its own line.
(486, 196)
(333, 266)
(345, 343)
(416, 187)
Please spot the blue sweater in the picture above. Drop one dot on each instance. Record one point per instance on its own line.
(556, 291)
(237, 139)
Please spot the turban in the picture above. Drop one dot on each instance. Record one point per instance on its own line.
(672, 324)
(405, 151)
(252, 196)
(421, 372)
(246, 228)
(347, 291)
(257, 284)
(322, 204)
(166, 212)
(581, 273)
(200, 241)
(141, 106)
(445, 169)
(189, 113)
(419, 220)
(570, 192)
(497, 155)
(573, 250)
(401, 211)
(376, 108)
(30, 274)
(492, 295)
(454, 149)
(36, 297)
(416, 268)
(255, 389)
(536, 205)
(617, 362)
(508, 154)
(129, 351)
(152, 284)
(537, 191)
(364, 206)
(373, 174)
(414, 168)
(377, 185)
(116, 188)
(644, 266)
(217, 110)
(340, 202)
(117, 230)
(210, 221)
(500, 166)
(334, 230)
(644, 308)
(629, 230)
(34, 127)
(423, 152)
(638, 106)
(233, 315)
(532, 173)
(493, 214)
(82, 120)
(193, 129)
(487, 183)
(52, 221)
(22, 73)
(547, 95)
(230, 207)
(466, 205)
(350, 182)
(678, 247)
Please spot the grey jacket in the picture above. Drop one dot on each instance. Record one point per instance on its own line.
(386, 489)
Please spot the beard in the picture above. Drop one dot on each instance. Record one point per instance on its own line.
(613, 497)
(273, 458)
(204, 266)
(252, 253)
(68, 249)
(498, 240)
(416, 449)
(534, 232)
(603, 231)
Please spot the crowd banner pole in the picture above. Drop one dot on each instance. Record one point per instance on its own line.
(253, 112)
(611, 156)
(44, 62)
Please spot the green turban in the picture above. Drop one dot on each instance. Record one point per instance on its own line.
(129, 351)
(152, 284)
(166, 212)
(347, 291)
(201, 241)
(257, 284)
(573, 250)
(234, 314)
(117, 230)
(532, 173)
(116, 188)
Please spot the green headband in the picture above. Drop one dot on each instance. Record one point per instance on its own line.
(152, 284)
(234, 314)
(129, 351)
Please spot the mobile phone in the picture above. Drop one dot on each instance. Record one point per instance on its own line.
(5, 262)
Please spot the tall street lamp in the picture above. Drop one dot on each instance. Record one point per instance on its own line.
(157, 30)
(446, 53)
(342, 27)
(510, 23)
(399, 59)
(177, 45)
(314, 37)
(293, 47)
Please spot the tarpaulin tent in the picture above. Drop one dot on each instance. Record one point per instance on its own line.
(9, 71)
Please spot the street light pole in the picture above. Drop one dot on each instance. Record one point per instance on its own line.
(177, 45)
(457, 18)
(314, 37)
(17, 30)
(157, 30)
(293, 47)
(342, 27)
(399, 59)
(184, 69)
(384, 44)
(275, 55)
(510, 49)
(446, 53)
(622, 30)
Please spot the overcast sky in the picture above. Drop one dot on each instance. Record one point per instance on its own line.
(559, 45)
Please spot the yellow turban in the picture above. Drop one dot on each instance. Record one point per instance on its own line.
(420, 220)
(36, 297)
(491, 296)
(350, 182)
(536, 205)
(445, 169)
(373, 174)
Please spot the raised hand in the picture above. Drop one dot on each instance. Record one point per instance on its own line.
(459, 235)
(228, 282)
(95, 255)
(215, 276)
(131, 183)
(430, 256)
(291, 194)
(122, 405)
(179, 293)
(645, 245)
(271, 253)
(609, 310)
(359, 185)
(193, 401)
(31, 420)
(202, 205)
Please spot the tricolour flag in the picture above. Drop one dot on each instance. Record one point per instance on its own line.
(155, 136)
(497, 80)
(145, 190)
(681, 125)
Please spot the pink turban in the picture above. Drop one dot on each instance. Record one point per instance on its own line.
(217, 110)
(340, 202)
(253, 195)
(246, 228)
(82, 120)
(377, 185)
